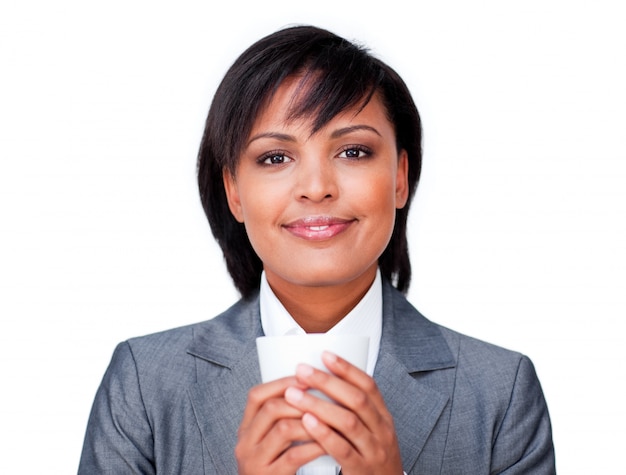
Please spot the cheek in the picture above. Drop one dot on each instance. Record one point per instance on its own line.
(379, 204)
(255, 199)
(261, 207)
(376, 194)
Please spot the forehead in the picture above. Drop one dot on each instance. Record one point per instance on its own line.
(285, 109)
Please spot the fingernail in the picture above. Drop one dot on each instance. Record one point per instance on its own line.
(329, 357)
(309, 421)
(293, 395)
(304, 370)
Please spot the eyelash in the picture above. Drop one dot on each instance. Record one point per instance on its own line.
(262, 160)
(359, 148)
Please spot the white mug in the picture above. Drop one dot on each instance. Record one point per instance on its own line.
(280, 355)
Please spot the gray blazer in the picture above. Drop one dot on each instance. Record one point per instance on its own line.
(171, 403)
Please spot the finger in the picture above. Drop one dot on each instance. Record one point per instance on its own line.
(264, 408)
(350, 373)
(379, 454)
(340, 420)
(282, 436)
(258, 395)
(330, 441)
(287, 462)
(298, 455)
(363, 400)
(270, 426)
(280, 447)
(271, 413)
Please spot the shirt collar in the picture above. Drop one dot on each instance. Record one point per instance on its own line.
(366, 318)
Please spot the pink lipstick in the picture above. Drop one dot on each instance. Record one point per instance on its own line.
(318, 228)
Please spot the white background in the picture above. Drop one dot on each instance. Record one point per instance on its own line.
(517, 233)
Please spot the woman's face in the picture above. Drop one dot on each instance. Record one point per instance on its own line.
(319, 209)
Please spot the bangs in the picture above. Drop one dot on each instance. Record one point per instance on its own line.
(336, 75)
(333, 76)
(326, 90)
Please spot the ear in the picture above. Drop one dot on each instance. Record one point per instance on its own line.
(402, 179)
(232, 195)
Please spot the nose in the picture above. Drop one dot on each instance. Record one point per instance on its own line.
(317, 179)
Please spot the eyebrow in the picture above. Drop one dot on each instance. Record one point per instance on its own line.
(273, 135)
(334, 135)
(353, 128)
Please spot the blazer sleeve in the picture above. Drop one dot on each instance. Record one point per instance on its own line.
(119, 436)
(523, 443)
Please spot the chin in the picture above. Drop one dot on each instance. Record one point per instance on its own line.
(326, 276)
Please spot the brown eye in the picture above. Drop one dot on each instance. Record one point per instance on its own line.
(355, 152)
(274, 158)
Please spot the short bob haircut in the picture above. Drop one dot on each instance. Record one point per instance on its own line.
(337, 75)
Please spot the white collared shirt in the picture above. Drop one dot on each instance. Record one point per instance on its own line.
(366, 318)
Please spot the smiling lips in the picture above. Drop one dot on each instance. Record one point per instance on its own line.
(318, 228)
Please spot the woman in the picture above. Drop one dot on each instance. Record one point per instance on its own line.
(310, 157)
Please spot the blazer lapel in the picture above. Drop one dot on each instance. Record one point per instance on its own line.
(411, 345)
(227, 367)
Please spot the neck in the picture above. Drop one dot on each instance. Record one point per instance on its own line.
(319, 308)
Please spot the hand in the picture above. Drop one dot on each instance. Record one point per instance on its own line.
(357, 431)
(268, 430)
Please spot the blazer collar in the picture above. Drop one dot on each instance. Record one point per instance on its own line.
(411, 344)
(408, 336)
(224, 339)
(226, 349)
(227, 367)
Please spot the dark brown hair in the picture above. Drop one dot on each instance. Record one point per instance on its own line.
(338, 75)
